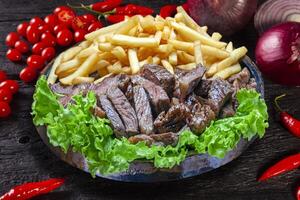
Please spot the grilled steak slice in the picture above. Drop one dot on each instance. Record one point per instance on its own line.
(200, 119)
(169, 138)
(125, 110)
(143, 110)
(141, 138)
(173, 120)
(191, 100)
(190, 80)
(227, 111)
(218, 94)
(65, 100)
(113, 116)
(203, 88)
(158, 96)
(122, 81)
(60, 89)
(97, 111)
(243, 76)
(160, 76)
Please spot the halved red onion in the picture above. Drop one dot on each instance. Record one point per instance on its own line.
(276, 11)
(224, 16)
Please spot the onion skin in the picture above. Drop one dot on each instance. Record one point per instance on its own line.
(274, 12)
(274, 54)
(224, 16)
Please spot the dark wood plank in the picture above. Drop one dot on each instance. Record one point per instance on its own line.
(24, 157)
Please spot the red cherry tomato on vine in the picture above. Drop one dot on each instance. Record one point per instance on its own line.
(5, 110)
(59, 27)
(36, 62)
(64, 37)
(12, 85)
(36, 21)
(21, 29)
(13, 55)
(3, 76)
(28, 74)
(44, 28)
(80, 22)
(48, 39)
(48, 53)
(5, 95)
(37, 48)
(51, 20)
(11, 39)
(33, 34)
(95, 26)
(90, 18)
(22, 46)
(61, 8)
(79, 35)
(66, 17)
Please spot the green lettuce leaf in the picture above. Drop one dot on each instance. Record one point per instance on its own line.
(77, 128)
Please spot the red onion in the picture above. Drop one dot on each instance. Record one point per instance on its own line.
(276, 11)
(278, 53)
(224, 16)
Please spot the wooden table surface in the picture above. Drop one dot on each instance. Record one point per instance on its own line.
(24, 157)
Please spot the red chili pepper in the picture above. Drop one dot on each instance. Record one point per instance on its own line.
(167, 11)
(288, 121)
(29, 190)
(185, 7)
(298, 193)
(106, 5)
(115, 18)
(287, 164)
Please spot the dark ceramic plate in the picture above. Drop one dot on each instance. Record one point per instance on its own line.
(141, 171)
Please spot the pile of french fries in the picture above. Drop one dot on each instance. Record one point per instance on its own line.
(125, 47)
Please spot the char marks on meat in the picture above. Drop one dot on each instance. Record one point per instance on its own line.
(227, 110)
(189, 80)
(113, 116)
(124, 109)
(160, 76)
(162, 139)
(173, 120)
(59, 89)
(219, 93)
(143, 110)
(203, 88)
(141, 138)
(158, 96)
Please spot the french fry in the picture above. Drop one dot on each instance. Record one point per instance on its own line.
(133, 60)
(84, 70)
(179, 17)
(226, 73)
(127, 26)
(108, 29)
(214, 52)
(72, 64)
(158, 36)
(168, 66)
(105, 46)
(189, 66)
(85, 44)
(80, 79)
(212, 70)
(185, 58)
(172, 35)
(193, 35)
(156, 60)
(148, 24)
(120, 54)
(124, 40)
(234, 57)
(102, 78)
(216, 36)
(103, 71)
(101, 64)
(164, 49)
(126, 70)
(159, 25)
(148, 60)
(198, 53)
(133, 31)
(173, 60)
(116, 68)
(144, 53)
(183, 46)
(87, 52)
(166, 33)
(52, 76)
(229, 47)
(66, 73)
(71, 53)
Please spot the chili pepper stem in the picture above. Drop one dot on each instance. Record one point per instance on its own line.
(276, 102)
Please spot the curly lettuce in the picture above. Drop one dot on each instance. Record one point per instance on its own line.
(77, 128)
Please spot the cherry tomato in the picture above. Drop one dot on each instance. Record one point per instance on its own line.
(3, 76)
(5, 95)
(51, 20)
(37, 48)
(33, 34)
(95, 26)
(21, 29)
(44, 28)
(79, 35)
(48, 53)
(64, 37)
(22, 46)
(59, 27)
(90, 18)
(5, 110)
(11, 39)
(36, 62)
(12, 85)
(61, 8)
(28, 74)
(80, 23)
(48, 39)
(36, 21)
(66, 17)
(13, 55)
